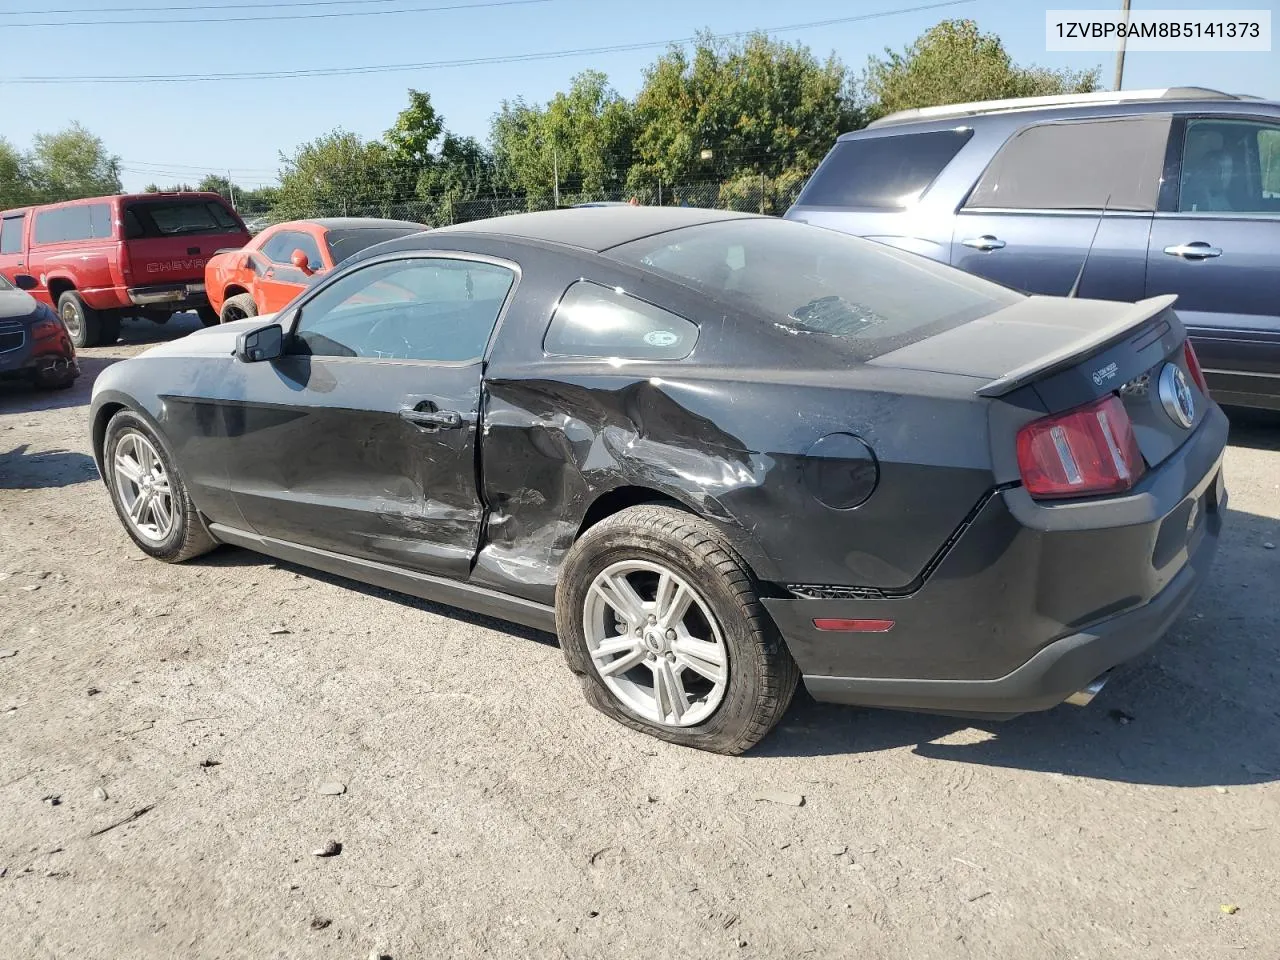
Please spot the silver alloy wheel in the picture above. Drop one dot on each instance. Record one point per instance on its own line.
(142, 487)
(655, 643)
(70, 319)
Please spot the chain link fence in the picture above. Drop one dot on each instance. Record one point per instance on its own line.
(753, 194)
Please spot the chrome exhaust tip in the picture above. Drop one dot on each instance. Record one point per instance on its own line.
(1084, 696)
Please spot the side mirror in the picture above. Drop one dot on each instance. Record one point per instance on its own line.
(25, 281)
(265, 343)
(299, 260)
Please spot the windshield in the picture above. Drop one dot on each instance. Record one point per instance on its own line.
(811, 281)
(5, 284)
(346, 243)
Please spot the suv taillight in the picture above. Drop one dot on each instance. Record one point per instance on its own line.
(1193, 367)
(1084, 452)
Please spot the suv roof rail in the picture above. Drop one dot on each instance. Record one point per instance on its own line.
(1031, 103)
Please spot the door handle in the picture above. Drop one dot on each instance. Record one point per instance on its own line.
(432, 419)
(984, 242)
(1196, 250)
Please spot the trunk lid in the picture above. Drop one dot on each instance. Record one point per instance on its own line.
(170, 239)
(1068, 352)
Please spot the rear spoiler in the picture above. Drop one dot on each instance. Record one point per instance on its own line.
(1072, 353)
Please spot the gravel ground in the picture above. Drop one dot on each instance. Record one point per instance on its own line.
(488, 811)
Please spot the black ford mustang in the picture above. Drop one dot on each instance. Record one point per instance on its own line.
(715, 452)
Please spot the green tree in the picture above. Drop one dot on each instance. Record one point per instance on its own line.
(338, 174)
(70, 164)
(954, 62)
(583, 138)
(727, 109)
(15, 185)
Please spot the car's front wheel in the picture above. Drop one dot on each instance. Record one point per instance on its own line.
(661, 619)
(239, 307)
(148, 493)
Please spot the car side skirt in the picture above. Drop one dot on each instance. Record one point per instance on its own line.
(422, 585)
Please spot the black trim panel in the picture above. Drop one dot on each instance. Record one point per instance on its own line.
(422, 585)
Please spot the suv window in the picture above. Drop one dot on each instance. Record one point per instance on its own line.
(279, 249)
(86, 221)
(11, 234)
(593, 320)
(410, 309)
(1230, 166)
(1077, 165)
(171, 218)
(883, 172)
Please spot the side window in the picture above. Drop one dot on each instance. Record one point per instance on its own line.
(411, 309)
(278, 247)
(11, 234)
(887, 173)
(1230, 166)
(1077, 165)
(593, 320)
(99, 220)
(50, 226)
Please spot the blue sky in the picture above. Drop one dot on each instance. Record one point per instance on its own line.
(168, 132)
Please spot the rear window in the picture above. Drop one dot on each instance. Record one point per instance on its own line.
(86, 221)
(174, 218)
(347, 243)
(886, 173)
(862, 297)
(1077, 165)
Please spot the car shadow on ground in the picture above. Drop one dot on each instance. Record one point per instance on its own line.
(1256, 429)
(20, 396)
(228, 557)
(138, 331)
(23, 470)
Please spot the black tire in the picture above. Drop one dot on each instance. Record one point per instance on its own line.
(188, 537)
(239, 307)
(49, 380)
(83, 323)
(208, 316)
(108, 329)
(762, 675)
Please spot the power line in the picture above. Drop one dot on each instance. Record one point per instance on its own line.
(277, 16)
(469, 62)
(200, 6)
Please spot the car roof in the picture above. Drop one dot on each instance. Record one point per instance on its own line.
(359, 223)
(594, 228)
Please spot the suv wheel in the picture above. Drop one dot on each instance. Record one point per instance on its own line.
(661, 620)
(83, 323)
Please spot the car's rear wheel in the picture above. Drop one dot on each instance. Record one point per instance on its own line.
(208, 316)
(55, 378)
(662, 621)
(149, 495)
(239, 307)
(83, 323)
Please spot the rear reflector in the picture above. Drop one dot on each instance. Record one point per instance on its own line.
(1081, 453)
(1193, 367)
(854, 626)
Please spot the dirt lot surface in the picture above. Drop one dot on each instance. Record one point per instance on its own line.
(488, 812)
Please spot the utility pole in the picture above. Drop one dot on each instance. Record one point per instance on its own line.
(231, 187)
(1120, 52)
(555, 168)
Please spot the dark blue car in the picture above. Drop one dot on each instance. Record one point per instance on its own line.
(34, 344)
(1117, 196)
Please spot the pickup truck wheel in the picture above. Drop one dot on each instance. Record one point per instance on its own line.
(148, 493)
(238, 307)
(208, 316)
(83, 323)
(661, 620)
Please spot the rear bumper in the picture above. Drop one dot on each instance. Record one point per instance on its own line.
(177, 296)
(1029, 605)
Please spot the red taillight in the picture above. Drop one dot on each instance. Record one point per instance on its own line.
(1081, 453)
(1193, 367)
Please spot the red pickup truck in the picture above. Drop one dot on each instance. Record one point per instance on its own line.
(101, 259)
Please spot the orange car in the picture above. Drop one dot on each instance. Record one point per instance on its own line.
(278, 263)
